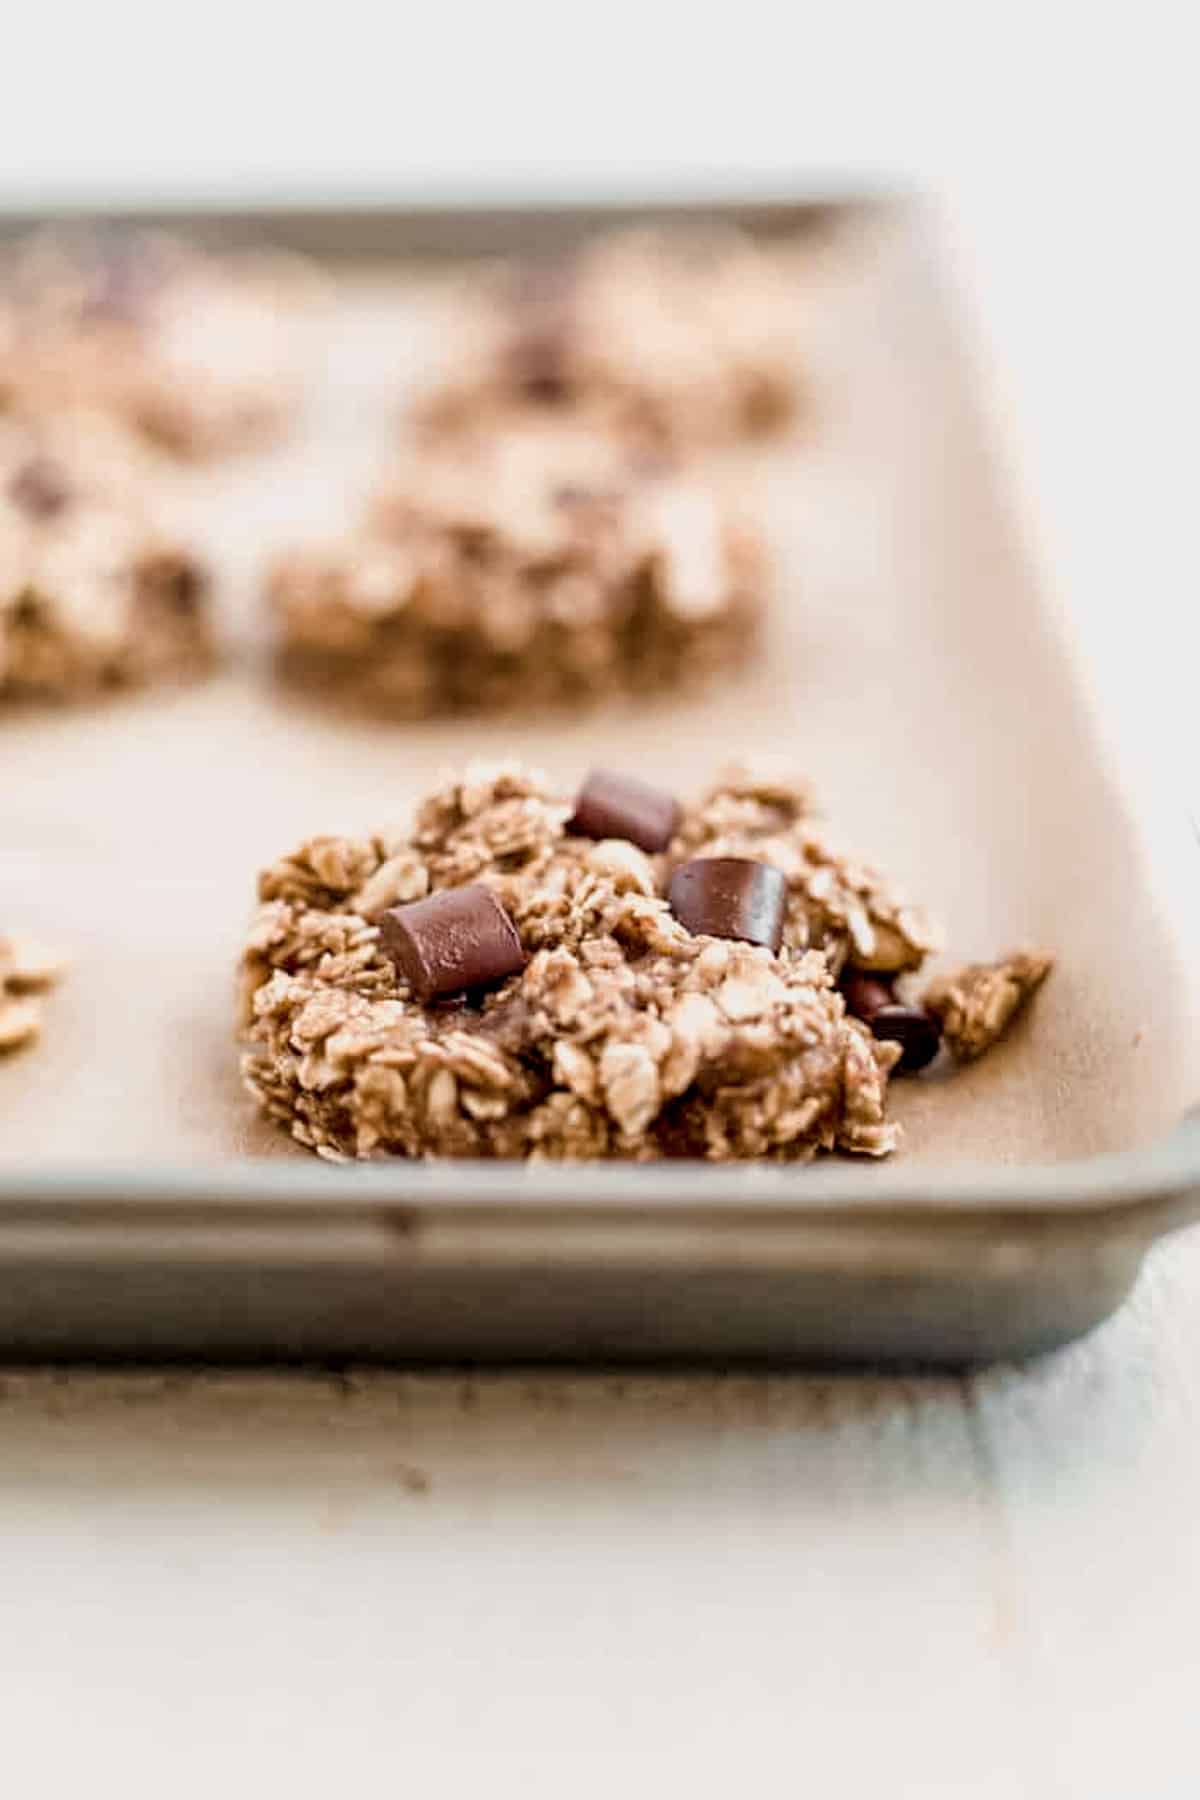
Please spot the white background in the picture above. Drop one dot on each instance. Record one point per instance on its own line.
(863, 1587)
(1060, 136)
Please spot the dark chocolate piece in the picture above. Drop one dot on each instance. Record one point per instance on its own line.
(539, 350)
(916, 1031)
(538, 363)
(865, 994)
(40, 487)
(457, 940)
(177, 582)
(727, 897)
(620, 806)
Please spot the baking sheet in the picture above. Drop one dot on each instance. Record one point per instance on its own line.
(913, 672)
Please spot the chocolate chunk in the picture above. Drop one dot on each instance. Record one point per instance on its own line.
(538, 364)
(726, 897)
(916, 1031)
(178, 583)
(459, 939)
(187, 588)
(40, 487)
(620, 806)
(539, 350)
(872, 999)
(865, 994)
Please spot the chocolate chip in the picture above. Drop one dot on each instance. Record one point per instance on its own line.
(865, 994)
(539, 352)
(188, 588)
(176, 583)
(459, 939)
(727, 897)
(872, 999)
(916, 1031)
(538, 364)
(609, 805)
(184, 587)
(40, 487)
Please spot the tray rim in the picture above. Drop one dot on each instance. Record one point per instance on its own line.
(1147, 1189)
(1155, 1187)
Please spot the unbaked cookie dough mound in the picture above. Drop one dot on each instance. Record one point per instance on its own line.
(677, 340)
(538, 564)
(97, 591)
(613, 975)
(200, 353)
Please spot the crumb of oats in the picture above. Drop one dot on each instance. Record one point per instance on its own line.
(976, 1004)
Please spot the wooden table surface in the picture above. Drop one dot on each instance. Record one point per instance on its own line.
(547, 1584)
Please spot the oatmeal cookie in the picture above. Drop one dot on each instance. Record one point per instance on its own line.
(614, 975)
(675, 340)
(95, 590)
(539, 563)
(197, 352)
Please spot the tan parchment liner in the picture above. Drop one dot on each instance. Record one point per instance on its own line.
(912, 672)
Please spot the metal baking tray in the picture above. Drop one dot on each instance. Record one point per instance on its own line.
(915, 671)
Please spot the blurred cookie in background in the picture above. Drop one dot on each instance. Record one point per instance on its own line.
(202, 354)
(683, 339)
(97, 589)
(538, 562)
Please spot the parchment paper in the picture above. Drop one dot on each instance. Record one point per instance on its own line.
(912, 672)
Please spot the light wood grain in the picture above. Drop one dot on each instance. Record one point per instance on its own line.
(547, 1585)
